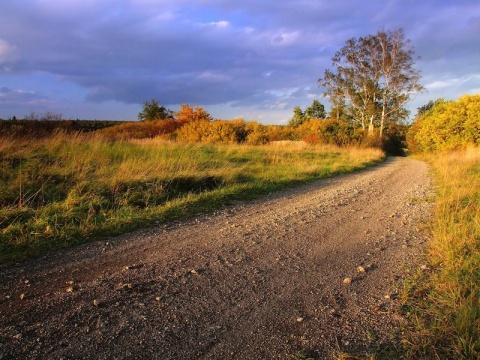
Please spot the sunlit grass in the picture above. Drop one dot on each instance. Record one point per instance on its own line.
(445, 304)
(73, 188)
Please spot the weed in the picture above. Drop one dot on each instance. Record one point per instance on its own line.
(444, 304)
(71, 188)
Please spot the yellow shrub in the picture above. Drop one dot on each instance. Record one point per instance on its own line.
(449, 125)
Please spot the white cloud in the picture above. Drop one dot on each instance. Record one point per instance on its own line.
(460, 82)
(7, 52)
(285, 38)
(220, 24)
(438, 84)
(215, 24)
(213, 76)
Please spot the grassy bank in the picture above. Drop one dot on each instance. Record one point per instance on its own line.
(69, 189)
(444, 303)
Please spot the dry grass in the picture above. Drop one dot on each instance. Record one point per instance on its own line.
(71, 188)
(446, 303)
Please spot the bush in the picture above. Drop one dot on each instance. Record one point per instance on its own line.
(187, 114)
(448, 125)
(257, 133)
(329, 131)
(212, 132)
(141, 130)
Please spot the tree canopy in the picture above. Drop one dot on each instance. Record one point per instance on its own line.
(153, 111)
(373, 77)
(188, 113)
(447, 125)
(315, 111)
(298, 117)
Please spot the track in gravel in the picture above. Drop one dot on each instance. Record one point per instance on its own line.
(258, 280)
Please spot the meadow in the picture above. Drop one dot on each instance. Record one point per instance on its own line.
(71, 188)
(443, 302)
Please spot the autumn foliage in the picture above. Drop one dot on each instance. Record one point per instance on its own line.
(141, 130)
(195, 125)
(329, 131)
(188, 113)
(447, 125)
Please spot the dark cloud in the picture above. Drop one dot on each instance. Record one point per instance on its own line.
(265, 54)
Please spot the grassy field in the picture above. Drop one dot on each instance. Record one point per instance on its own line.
(73, 188)
(444, 303)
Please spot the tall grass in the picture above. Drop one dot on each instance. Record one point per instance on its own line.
(72, 188)
(446, 302)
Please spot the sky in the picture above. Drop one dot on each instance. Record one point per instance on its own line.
(251, 59)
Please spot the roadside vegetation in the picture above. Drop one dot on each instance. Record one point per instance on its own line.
(443, 302)
(72, 187)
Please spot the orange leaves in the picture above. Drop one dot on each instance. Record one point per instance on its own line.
(187, 114)
(328, 131)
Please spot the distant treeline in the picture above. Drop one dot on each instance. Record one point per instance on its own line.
(43, 128)
(237, 131)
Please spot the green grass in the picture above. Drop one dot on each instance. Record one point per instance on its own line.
(70, 189)
(444, 304)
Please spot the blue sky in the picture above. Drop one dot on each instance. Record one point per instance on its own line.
(101, 59)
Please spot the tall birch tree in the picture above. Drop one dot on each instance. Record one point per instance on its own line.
(375, 77)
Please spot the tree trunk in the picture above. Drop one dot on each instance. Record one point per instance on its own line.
(370, 126)
(382, 121)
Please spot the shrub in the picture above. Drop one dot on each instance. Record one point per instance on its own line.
(257, 133)
(330, 131)
(141, 130)
(212, 132)
(448, 125)
(187, 114)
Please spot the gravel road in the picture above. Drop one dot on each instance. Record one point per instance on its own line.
(315, 269)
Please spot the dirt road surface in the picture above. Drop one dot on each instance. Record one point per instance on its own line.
(257, 280)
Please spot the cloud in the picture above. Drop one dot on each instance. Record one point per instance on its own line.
(12, 99)
(286, 38)
(438, 85)
(7, 52)
(128, 53)
(464, 84)
(258, 54)
(217, 24)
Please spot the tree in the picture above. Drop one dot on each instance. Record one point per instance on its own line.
(340, 111)
(298, 117)
(422, 110)
(187, 114)
(46, 116)
(375, 77)
(447, 125)
(316, 110)
(153, 111)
